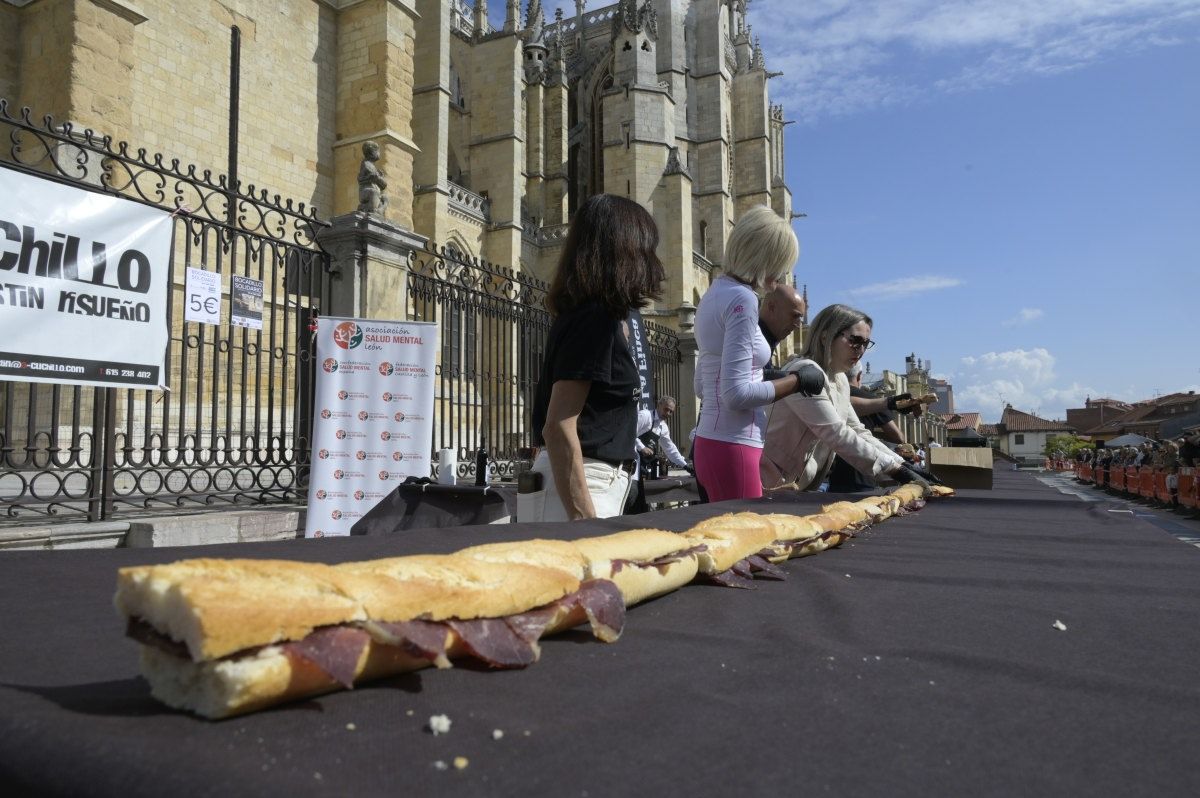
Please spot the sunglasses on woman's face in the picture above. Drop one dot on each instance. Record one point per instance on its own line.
(858, 342)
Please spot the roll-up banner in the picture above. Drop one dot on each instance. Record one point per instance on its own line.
(373, 416)
(85, 280)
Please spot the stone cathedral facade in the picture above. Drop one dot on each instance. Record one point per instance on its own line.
(665, 102)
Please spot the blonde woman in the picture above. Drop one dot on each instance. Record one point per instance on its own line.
(732, 352)
(804, 433)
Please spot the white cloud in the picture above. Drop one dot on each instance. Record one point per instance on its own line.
(902, 288)
(1024, 378)
(1024, 316)
(842, 56)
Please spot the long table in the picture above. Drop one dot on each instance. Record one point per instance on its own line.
(922, 658)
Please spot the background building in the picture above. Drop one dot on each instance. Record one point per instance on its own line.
(1023, 436)
(1095, 413)
(1163, 417)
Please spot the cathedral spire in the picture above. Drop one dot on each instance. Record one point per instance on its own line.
(757, 60)
(535, 23)
(511, 14)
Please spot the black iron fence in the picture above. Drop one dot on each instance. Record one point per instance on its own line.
(234, 425)
(493, 326)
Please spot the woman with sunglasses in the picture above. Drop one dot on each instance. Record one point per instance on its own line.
(804, 433)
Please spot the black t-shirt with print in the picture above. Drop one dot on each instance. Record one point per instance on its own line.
(587, 344)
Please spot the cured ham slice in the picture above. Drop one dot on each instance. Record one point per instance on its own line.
(334, 649)
(494, 642)
(425, 639)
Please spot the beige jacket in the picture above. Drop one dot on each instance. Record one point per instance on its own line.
(804, 433)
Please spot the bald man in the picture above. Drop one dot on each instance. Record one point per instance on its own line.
(781, 314)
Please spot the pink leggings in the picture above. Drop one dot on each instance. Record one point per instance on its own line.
(727, 470)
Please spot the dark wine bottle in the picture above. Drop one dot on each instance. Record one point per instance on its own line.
(481, 466)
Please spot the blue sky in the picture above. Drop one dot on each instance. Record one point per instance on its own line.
(1010, 188)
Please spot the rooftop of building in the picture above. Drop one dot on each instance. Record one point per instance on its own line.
(960, 421)
(1013, 420)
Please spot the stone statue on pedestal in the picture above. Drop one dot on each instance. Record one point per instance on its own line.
(371, 182)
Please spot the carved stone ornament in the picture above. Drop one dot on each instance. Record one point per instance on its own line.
(635, 19)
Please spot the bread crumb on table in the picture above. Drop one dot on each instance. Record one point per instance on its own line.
(439, 724)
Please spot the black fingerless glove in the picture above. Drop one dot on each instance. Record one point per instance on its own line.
(810, 380)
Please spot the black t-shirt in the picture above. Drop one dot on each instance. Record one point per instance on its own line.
(587, 344)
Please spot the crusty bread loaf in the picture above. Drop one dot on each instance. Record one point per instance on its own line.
(885, 504)
(236, 685)
(437, 587)
(231, 613)
(789, 529)
(730, 538)
(217, 607)
(792, 527)
(634, 549)
(828, 523)
(561, 554)
(848, 512)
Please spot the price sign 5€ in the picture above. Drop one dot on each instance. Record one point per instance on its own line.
(202, 300)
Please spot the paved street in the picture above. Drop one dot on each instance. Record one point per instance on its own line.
(1182, 525)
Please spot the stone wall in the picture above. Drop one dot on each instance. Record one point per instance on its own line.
(10, 53)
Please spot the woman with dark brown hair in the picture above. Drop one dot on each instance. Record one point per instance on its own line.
(585, 408)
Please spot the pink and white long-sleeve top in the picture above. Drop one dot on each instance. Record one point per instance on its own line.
(729, 372)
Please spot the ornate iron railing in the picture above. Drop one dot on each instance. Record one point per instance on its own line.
(235, 424)
(493, 328)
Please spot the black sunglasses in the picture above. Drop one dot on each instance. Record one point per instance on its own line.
(858, 342)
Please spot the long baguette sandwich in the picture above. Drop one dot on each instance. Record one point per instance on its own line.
(798, 536)
(734, 548)
(886, 504)
(225, 637)
(642, 563)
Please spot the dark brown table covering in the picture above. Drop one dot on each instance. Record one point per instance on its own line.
(921, 659)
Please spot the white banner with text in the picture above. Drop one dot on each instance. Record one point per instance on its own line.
(373, 416)
(84, 286)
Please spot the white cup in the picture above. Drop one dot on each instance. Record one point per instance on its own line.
(447, 467)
